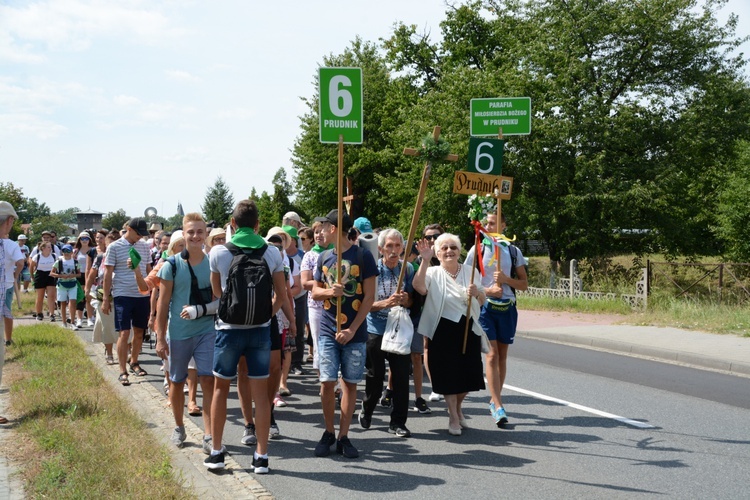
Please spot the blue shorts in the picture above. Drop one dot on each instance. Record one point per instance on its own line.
(8, 303)
(201, 347)
(499, 321)
(66, 294)
(253, 343)
(24, 276)
(349, 358)
(131, 312)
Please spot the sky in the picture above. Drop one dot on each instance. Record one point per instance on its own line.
(133, 103)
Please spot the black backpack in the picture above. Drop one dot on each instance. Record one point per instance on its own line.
(247, 297)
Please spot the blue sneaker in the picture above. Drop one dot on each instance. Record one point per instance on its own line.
(501, 418)
(492, 408)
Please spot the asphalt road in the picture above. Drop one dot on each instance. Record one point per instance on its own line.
(688, 438)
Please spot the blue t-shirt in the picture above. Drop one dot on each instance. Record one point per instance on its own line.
(181, 329)
(353, 293)
(387, 282)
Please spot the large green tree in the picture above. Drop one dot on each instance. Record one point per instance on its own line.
(733, 224)
(369, 165)
(218, 203)
(272, 207)
(636, 107)
(115, 220)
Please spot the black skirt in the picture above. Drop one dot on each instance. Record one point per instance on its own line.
(452, 372)
(42, 279)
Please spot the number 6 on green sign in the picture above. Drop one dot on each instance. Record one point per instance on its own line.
(486, 156)
(340, 105)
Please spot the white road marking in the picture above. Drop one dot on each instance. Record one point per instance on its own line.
(634, 423)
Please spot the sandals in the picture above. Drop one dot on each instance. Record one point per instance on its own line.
(195, 411)
(136, 369)
(3, 420)
(110, 360)
(123, 379)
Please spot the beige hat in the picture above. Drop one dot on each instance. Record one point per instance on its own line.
(215, 232)
(176, 237)
(7, 210)
(284, 236)
(292, 216)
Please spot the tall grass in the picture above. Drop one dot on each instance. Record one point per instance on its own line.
(86, 442)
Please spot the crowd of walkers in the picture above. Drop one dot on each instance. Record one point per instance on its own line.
(227, 303)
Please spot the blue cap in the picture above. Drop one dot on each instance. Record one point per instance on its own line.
(363, 224)
(67, 248)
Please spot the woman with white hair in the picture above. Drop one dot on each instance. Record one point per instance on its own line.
(443, 322)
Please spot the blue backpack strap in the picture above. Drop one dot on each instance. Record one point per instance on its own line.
(172, 263)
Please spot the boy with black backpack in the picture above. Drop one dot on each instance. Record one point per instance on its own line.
(66, 271)
(244, 274)
(499, 315)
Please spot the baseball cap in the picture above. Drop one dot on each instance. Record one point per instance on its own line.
(67, 248)
(23, 237)
(7, 210)
(291, 231)
(140, 225)
(363, 224)
(292, 216)
(332, 217)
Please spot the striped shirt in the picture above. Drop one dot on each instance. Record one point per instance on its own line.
(123, 279)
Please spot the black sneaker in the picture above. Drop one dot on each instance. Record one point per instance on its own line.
(215, 462)
(346, 448)
(421, 405)
(323, 449)
(297, 370)
(364, 420)
(52, 318)
(387, 400)
(260, 465)
(399, 430)
(40, 317)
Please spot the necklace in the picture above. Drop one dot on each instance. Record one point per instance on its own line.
(453, 275)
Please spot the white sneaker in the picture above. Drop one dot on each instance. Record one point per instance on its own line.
(89, 323)
(79, 324)
(73, 327)
(434, 396)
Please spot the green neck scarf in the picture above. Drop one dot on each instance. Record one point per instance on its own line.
(245, 237)
(319, 249)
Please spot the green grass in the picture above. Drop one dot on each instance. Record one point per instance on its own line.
(575, 305)
(86, 442)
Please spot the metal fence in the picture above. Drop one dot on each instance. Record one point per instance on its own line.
(725, 283)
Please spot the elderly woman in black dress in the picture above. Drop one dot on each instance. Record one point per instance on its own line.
(448, 288)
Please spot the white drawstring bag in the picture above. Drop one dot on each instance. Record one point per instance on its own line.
(398, 331)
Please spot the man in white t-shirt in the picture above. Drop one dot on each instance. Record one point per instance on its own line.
(13, 263)
(7, 217)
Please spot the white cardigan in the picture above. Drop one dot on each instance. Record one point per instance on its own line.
(437, 283)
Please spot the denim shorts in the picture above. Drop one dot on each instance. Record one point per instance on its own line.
(66, 294)
(253, 343)
(499, 321)
(131, 312)
(8, 303)
(201, 347)
(349, 358)
(417, 343)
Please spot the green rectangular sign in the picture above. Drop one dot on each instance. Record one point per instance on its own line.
(340, 106)
(512, 114)
(485, 156)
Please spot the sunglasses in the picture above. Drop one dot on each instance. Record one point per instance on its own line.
(84, 239)
(452, 247)
(304, 239)
(216, 240)
(431, 237)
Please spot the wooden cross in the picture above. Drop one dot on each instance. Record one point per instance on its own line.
(420, 199)
(349, 198)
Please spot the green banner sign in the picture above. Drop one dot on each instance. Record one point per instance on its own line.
(340, 106)
(511, 114)
(485, 156)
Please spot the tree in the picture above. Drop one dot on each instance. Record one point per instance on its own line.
(733, 209)
(371, 164)
(616, 92)
(11, 194)
(30, 209)
(115, 220)
(218, 203)
(172, 223)
(47, 223)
